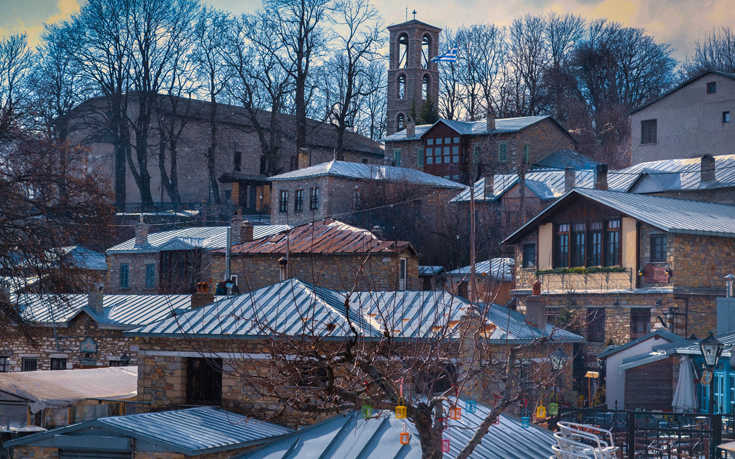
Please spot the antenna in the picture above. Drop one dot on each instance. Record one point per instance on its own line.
(406, 12)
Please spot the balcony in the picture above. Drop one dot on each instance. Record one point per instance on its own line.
(579, 279)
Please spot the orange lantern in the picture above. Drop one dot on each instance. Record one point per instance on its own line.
(455, 413)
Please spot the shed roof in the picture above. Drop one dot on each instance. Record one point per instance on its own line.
(498, 268)
(293, 307)
(350, 437)
(368, 172)
(204, 237)
(192, 431)
(326, 236)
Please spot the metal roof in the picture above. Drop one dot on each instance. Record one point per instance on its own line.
(322, 236)
(547, 184)
(192, 431)
(207, 237)
(430, 270)
(368, 172)
(125, 311)
(561, 159)
(293, 307)
(502, 268)
(673, 215)
(502, 126)
(350, 437)
(665, 334)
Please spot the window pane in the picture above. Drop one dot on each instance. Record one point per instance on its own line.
(150, 275)
(529, 255)
(428, 152)
(420, 157)
(438, 141)
(448, 140)
(612, 251)
(456, 140)
(429, 141)
(124, 275)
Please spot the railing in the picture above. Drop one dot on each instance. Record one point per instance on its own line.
(587, 281)
(223, 211)
(654, 434)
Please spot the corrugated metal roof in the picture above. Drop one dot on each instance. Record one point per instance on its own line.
(502, 126)
(294, 307)
(323, 236)
(674, 174)
(502, 268)
(350, 437)
(192, 431)
(430, 270)
(547, 184)
(673, 215)
(665, 334)
(118, 310)
(212, 237)
(562, 159)
(368, 172)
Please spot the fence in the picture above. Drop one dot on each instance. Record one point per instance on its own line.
(658, 435)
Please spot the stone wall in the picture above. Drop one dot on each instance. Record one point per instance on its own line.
(47, 452)
(701, 261)
(136, 273)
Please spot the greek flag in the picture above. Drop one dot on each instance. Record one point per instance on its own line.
(449, 56)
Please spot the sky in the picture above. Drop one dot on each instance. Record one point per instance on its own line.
(676, 22)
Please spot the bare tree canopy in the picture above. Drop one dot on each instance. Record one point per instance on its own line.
(715, 52)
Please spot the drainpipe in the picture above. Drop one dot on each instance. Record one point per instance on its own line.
(227, 255)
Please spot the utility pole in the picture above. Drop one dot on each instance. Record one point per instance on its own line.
(473, 284)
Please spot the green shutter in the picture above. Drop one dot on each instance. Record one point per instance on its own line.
(397, 157)
(420, 157)
(503, 152)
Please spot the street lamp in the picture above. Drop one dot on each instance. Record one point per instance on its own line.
(711, 349)
(558, 359)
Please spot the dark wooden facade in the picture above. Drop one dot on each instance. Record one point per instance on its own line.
(650, 386)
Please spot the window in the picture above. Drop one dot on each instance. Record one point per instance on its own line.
(4, 364)
(124, 275)
(658, 247)
(203, 381)
(420, 157)
(283, 203)
(397, 158)
(403, 51)
(237, 161)
(525, 153)
(401, 86)
(115, 363)
(648, 131)
(503, 152)
(455, 154)
(402, 273)
(58, 364)
(150, 275)
(475, 154)
(314, 198)
(596, 325)
(711, 87)
(356, 199)
(595, 257)
(298, 203)
(612, 243)
(529, 255)
(425, 51)
(578, 244)
(725, 117)
(30, 363)
(425, 87)
(429, 155)
(262, 165)
(401, 122)
(562, 246)
(640, 322)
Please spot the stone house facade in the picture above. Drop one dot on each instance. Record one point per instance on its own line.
(326, 253)
(691, 120)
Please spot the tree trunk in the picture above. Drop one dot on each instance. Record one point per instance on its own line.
(212, 152)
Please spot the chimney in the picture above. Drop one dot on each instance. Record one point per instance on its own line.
(490, 121)
(246, 232)
(141, 233)
(411, 128)
(202, 297)
(282, 264)
(303, 158)
(536, 309)
(707, 169)
(489, 184)
(236, 225)
(96, 297)
(601, 177)
(569, 179)
(377, 231)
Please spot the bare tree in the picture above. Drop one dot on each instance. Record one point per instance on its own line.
(16, 61)
(715, 52)
(450, 87)
(484, 50)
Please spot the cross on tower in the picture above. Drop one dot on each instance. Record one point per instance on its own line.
(414, 15)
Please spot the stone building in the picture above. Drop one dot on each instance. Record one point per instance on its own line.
(208, 348)
(463, 151)
(240, 157)
(327, 253)
(691, 120)
(173, 261)
(615, 266)
(492, 284)
(82, 331)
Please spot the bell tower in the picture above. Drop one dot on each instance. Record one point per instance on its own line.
(412, 78)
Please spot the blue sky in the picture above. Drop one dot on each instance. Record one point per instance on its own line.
(677, 22)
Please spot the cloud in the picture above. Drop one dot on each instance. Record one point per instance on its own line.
(66, 9)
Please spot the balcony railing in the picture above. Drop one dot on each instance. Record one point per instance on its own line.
(572, 281)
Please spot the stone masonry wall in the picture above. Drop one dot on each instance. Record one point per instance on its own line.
(136, 273)
(701, 261)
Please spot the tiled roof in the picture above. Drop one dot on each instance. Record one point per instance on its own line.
(191, 431)
(368, 172)
(673, 215)
(282, 308)
(350, 437)
(123, 311)
(502, 126)
(502, 268)
(323, 236)
(206, 237)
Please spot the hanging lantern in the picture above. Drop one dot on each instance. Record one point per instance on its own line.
(445, 445)
(455, 413)
(554, 409)
(405, 437)
(471, 406)
(541, 411)
(525, 422)
(367, 410)
(401, 410)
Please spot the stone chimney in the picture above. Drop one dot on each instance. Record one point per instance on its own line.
(707, 169)
(303, 158)
(282, 265)
(377, 231)
(141, 233)
(490, 121)
(536, 309)
(601, 177)
(95, 298)
(202, 297)
(411, 128)
(569, 179)
(489, 185)
(236, 228)
(246, 232)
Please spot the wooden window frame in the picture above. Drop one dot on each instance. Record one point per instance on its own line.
(532, 263)
(4, 364)
(298, 203)
(314, 198)
(659, 257)
(503, 152)
(711, 87)
(203, 381)
(58, 364)
(562, 233)
(649, 131)
(150, 275)
(638, 316)
(283, 202)
(124, 275)
(580, 253)
(609, 233)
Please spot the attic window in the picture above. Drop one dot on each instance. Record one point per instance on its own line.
(711, 87)
(4, 364)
